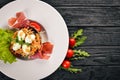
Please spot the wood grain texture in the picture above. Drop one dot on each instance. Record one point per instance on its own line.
(3, 2)
(90, 16)
(4, 77)
(100, 20)
(99, 36)
(100, 56)
(57, 3)
(83, 2)
(89, 73)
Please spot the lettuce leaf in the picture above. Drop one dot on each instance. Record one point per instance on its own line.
(5, 40)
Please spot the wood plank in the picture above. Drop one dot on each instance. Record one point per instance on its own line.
(3, 2)
(100, 36)
(57, 3)
(103, 42)
(99, 56)
(90, 16)
(4, 77)
(83, 2)
(89, 73)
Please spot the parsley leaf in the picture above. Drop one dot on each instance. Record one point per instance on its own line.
(79, 54)
(77, 33)
(71, 69)
(80, 41)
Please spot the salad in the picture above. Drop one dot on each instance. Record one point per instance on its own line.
(25, 41)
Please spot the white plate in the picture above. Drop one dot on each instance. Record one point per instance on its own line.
(57, 34)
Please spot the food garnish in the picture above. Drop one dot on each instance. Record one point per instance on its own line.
(73, 53)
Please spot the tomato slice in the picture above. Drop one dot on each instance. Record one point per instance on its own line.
(35, 25)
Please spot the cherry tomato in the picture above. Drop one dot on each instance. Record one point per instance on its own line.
(72, 42)
(66, 64)
(70, 53)
(35, 25)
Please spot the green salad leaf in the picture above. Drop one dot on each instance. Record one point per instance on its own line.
(5, 40)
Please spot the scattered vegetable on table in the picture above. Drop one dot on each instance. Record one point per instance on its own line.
(75, 40)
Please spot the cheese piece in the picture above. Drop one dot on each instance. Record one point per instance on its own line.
(26, 49)
(16, 46)
(29, 38)
(21, 35)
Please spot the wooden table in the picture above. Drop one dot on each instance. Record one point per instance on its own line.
(100, 20)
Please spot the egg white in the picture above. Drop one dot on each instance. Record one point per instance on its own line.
(16, 46)
(21, 35)
(26, 49)
(29, 38)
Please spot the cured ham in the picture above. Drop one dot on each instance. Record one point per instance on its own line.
(20, 17)
(11, 21)
(47, 48)
(44, 52)
(19, 21)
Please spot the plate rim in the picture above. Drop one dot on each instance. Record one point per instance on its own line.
(61, 18)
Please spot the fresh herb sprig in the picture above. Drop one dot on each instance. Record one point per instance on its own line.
(76, 40)
(72, 69)
(80, 41)
(21, 42)
(79, 54)
(79, 37)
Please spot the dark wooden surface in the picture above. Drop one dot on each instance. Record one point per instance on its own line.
(100, 20)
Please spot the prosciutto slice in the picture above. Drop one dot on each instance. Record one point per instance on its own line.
(44, 52)
(19, 21)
